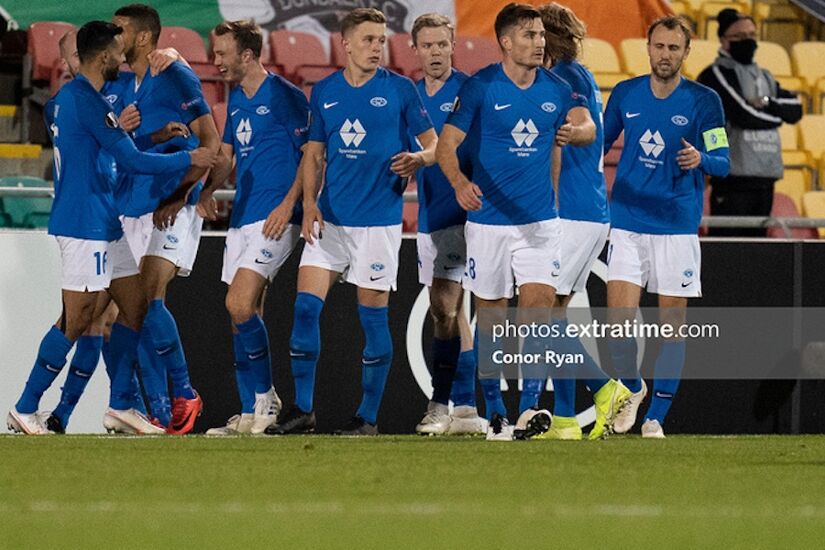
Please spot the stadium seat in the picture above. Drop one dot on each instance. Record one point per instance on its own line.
(301, 55)
(779, 21)
(807, 61)
(219, 114)
(702, 54)
(475, 52)
(813, 205)
(794, 184)
(404, 59)
(43, 47)
(188, 43)
(775, 58)
(785, 207)
(338, 56)
(18, 208)
(599, 56)
(705, 14)
(818, 96)
(812, 135)
(634, 57)
(792, 154)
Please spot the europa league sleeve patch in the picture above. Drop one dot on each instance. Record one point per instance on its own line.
(111, 120)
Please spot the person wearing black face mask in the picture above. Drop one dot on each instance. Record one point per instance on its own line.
(755, 106)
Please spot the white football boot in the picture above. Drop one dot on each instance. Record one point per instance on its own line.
(29, 424)
(239, 424)
(130, 421)
(627, 415)
(436, 421)
(267, 408)
(466, 421)
(651, 429)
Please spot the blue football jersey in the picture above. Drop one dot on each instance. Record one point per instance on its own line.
(173, 95)
(582, 189)
(363, 128)
(115, 90)
(266, 132)
(651, 194)
(512, 132)
(82, 126)
(437, 207)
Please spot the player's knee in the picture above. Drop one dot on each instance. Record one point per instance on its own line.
(443, 313)
(239, 310)
(305, 337)
(375, 322)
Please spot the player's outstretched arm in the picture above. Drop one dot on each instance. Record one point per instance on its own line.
(578, 128)
(310, 172)
(133, 161)
(406, 163)
(467, 193)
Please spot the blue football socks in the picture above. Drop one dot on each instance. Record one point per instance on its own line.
(375, 360)
(305, 347)
(51, 357)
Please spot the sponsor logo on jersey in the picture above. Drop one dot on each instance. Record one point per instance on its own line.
(352, 132)
(243, 132)
(652, 143)
(525, 133)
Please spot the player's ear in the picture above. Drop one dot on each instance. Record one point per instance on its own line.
(506, 42)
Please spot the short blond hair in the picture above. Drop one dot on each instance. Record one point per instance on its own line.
(431, 20)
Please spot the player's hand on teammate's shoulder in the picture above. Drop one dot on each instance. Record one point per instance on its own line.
(688, 157)
(162, 59)
(313, 223)
(170, 131)
(129, 118)
(405, 164)
(468, 195)
(203, 157)
(207, 207)
(278, 220)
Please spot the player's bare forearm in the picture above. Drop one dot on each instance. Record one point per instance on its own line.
(310, 171)
(446, 154)
(556, 171)
(223, 167)
(429, 140)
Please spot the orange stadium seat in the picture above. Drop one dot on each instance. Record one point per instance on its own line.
(43, 47)
(301, 55)
(475, 52)
(813, 203)
(702, 54)
(599, 56)
(634, 57)
(775, 58)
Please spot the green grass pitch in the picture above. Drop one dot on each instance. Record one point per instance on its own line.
(411, 492)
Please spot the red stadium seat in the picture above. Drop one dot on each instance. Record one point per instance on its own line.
(44, 49)
(301, 55)
(213, 92)
(785, 207)
(188, 43)
(404, 58)
(474, 53)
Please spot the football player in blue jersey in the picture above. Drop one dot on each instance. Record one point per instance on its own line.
(362, 117)
(441, 246)
(95, 340)
(266, 127)
(160, 218)
(674, 135)
(513, 113)
(84, 220)
(582, 201)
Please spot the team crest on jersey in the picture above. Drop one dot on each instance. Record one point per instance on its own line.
(378, 101)
(111, 120)
(262, 110)
(548, 107)
(679, 120)
(377, 266)
(172, 239)
(111, 98)
(266, 253)
(446, 107)
(688, 273)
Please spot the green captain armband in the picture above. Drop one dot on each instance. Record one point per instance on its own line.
(715, 138)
